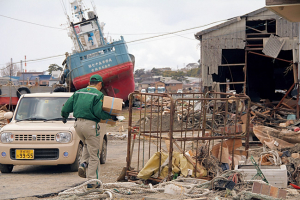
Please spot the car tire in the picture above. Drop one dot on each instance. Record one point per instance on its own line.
(22, 90)
(60, 89)
(6, 168)
(74, 166)
(103, 152)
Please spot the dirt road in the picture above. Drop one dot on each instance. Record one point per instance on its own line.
(29, 181)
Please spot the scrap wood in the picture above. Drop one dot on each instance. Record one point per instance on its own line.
(287, 105)
(263, 116)
(263, 133)
(286, 135)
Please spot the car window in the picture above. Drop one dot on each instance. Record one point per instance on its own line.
(40, 107)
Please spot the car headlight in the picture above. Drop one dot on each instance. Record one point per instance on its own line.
(63, 137)
(7, 137)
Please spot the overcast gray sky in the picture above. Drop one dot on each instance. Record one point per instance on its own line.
(134, 19)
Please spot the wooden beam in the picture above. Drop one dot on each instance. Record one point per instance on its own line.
(231, 83)
(256, 29)
(283, 99)
(270, 57)
(236, 64)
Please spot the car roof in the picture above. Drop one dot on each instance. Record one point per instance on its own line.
(48, 94)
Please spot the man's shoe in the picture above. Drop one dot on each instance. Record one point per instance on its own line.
(82, 170)
(93, 186)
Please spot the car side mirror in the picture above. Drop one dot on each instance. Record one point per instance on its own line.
(8, 115)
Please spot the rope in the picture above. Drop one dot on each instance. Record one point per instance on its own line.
(190, 187)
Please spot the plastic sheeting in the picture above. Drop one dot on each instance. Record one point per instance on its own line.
(179, 165)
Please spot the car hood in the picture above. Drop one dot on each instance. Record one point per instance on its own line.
(38, 126)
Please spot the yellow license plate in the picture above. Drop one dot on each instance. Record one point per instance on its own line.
(24, 154)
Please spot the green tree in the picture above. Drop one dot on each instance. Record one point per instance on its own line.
(179, 76)
(54, 67)
(139, 72)
(156, 72)
(196, 72)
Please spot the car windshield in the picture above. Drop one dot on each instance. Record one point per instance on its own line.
(151, 90)
(160, 90)
(40, 108)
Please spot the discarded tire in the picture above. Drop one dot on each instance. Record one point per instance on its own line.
(60, 89)
(22, 90)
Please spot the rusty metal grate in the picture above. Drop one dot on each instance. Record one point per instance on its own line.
(185, 122)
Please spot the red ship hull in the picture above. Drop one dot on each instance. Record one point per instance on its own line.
(118, 80)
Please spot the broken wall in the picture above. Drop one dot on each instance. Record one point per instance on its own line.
(250, 33)
(231, 36)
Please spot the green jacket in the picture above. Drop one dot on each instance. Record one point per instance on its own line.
(86, 103)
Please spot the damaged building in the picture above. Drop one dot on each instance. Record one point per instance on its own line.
(256, 54)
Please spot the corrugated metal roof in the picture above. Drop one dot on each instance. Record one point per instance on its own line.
(33, 78)
(172, 82)
(147, 82)
(44, 77)
(231, 21)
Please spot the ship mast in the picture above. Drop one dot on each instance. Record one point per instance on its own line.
(86, 33)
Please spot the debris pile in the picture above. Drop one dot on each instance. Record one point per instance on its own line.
(208, 138)
(267, 115)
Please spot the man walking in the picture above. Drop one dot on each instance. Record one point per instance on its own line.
(86, 105)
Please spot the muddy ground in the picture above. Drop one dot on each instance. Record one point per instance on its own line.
(41, 181)
(45, 182)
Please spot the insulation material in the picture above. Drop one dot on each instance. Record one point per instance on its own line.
(273, 46)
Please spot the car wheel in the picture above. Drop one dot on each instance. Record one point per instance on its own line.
(6, 168)
(75, 165)
(103, 152)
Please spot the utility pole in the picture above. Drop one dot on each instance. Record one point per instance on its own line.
(10, 70)
(22, 71)
(10, 84)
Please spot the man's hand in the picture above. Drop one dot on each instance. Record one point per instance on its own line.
(64, 120)
(114, 118)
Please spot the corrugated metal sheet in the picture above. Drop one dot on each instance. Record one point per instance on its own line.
(289, 44)
(286, 28)
(263, 15)
(273, 46)
(212, 43)
(231, 35)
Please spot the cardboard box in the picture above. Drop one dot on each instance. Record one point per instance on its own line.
(112, 105)
(108, 121)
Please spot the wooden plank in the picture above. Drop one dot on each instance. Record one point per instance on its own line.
(237, 64)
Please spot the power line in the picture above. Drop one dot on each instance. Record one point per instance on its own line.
(38, 59)
(32, 23)
(176, 31)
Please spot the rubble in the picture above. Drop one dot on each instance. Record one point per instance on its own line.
(209, 136)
